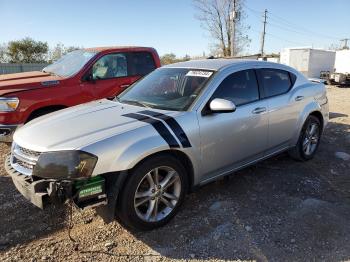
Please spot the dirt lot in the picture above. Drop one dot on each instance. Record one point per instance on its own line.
(277, 210)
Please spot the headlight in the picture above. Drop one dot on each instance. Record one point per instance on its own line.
(8, 104)
(65, 165)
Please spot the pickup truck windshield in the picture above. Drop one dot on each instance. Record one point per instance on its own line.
(70, 64)
(167, 88)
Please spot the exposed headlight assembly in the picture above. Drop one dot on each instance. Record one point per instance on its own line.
(65, 165)
(8, 104)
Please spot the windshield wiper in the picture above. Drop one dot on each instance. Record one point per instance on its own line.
(134, 102)
(49, 72)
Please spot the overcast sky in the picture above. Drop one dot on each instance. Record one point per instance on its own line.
(170, 25)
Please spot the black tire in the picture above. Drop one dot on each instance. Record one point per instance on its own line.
(126, 211)
(298, 152)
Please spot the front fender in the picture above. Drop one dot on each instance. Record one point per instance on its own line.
(124, 151)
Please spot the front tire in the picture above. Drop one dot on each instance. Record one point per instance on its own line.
(309, 140)
(153, 193)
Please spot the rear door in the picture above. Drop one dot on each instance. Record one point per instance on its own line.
(229, 140)
(283, 106)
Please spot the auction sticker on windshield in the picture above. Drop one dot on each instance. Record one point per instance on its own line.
(199, 73)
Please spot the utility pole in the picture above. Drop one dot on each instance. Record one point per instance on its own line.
(345, 40)
(233, 27)
(263, 35)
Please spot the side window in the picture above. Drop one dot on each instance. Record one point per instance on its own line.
(141, 63)
(110, 66)
(240, 88)
(275, 81)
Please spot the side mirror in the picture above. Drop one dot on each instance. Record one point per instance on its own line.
(219, 105)
(88, 77)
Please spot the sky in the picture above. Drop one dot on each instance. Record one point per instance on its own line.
(170, 25)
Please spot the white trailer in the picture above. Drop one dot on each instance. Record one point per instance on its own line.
(341, 76)
(342, 62)
(309, 61)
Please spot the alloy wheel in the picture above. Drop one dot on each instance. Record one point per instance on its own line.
(157, 194)
(311, 138)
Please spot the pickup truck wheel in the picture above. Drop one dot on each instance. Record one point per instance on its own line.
(153, 193)
(309, 140)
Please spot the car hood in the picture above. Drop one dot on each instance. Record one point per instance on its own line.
(78, 126)
(26, 81)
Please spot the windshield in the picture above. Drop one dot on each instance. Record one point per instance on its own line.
(167, 88)
(69, 64)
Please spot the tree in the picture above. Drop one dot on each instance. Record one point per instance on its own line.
(168, 59)
(27, 50)
(3, 53)
(215, 17)
(60, 50)
(171, 58)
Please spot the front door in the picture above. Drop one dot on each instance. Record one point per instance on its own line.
(229, 140)
(110, 76)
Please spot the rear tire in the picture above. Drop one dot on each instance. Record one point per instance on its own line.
(153, 193)
(309, 140)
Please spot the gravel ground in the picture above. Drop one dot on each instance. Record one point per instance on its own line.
(277, 210)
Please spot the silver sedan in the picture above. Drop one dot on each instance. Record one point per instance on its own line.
(180, 127)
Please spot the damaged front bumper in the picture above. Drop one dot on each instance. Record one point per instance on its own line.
(42, 192)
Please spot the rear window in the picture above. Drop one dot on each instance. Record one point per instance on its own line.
(141, 63)
(240, 88)
(275, 81)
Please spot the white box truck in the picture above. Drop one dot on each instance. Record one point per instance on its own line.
(310, 61)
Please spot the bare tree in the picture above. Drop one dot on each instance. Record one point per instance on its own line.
(215, 17)
(60, 50)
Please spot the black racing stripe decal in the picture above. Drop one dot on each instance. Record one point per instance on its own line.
(173, 124)
(158, 126)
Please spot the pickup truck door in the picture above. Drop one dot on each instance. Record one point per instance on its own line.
(113, 73)
(230, 140)
(110, 76)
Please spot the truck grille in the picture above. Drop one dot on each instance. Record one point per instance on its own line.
(23, 160)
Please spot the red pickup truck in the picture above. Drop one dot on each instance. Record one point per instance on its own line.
(78, 77)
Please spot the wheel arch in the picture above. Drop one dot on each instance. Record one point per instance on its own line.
(311, 109)
(183, 157)
(42, 110)
(319, 116)
(119, 178)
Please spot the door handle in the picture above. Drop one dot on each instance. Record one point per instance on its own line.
(299, 98)
(259, 110)
(125, 86)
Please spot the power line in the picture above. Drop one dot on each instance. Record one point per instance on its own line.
(280, 38)
(290, 24)
(295, 29)
(291, 30)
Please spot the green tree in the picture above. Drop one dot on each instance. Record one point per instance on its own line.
(27, 50)
(171, 58)
(168, 59)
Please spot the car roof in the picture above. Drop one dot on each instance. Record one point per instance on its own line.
(118, 48)
(216, 64)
